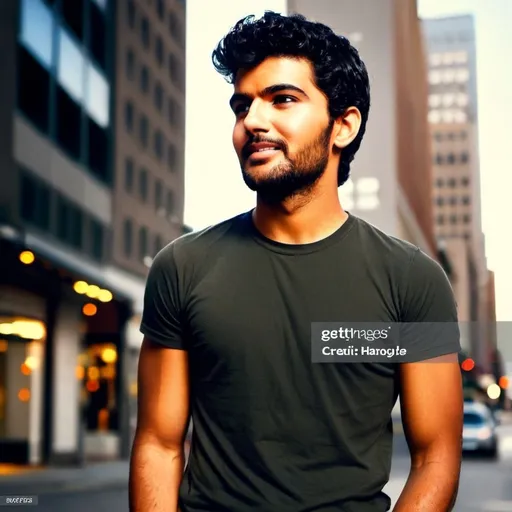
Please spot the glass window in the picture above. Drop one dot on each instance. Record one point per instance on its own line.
(158, 244)
(97, 96)
(160, 8)
(128, 237)
(158, 195)
(170, 202)
(73, 14)
(102, 4)
(36, 30)
(159, 51)
(158, 144)
(143, 184)
(128, 175)
(144, 32)
(71, 66)
(159, 96)
(144, 79)
(33, 101)
(143, 243)
(97, 239)
(130, 64)
(68, 125)
(128, 116)
(131, 14)
(171, 157)
(144, 130)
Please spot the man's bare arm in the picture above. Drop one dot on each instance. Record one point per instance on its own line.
(157, 459)
(432, 413)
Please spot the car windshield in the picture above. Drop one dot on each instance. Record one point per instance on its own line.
(471, 418)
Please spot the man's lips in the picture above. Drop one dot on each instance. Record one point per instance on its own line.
(261, 149)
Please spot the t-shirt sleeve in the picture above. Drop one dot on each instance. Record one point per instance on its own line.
(429, 325)
(162, 318)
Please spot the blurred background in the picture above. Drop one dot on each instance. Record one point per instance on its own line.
(115, 139)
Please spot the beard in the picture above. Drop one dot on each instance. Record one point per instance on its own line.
(294, 177)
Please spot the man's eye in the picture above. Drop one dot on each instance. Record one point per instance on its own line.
(240, 109)
(283, 98)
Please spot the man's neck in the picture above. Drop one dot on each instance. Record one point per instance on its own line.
(299, 220)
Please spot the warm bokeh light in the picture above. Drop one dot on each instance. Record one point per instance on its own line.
(133, 388)
(3, 346)
(80, 372)
(109, 355)
(80, 287)
(32, 362)
(493, 391)
(93, 373)
(93, 291)
(27, 257)
(25, 369)
(105, 296)
(468, 364)
(89, 309)
(92, 386)
(24, 394)
(27, 329)
(503, 382)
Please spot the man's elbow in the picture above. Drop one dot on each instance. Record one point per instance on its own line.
(442, 458)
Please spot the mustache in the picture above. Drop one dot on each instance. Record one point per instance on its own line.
(255, 140)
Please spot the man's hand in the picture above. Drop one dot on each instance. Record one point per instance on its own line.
(432, 406)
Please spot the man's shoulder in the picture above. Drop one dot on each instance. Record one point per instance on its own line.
(394, 252)
(379, 244)
(196, 244)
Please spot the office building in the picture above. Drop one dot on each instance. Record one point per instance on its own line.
(453, 119)
(70, 292)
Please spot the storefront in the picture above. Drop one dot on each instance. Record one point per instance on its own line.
(63, 391)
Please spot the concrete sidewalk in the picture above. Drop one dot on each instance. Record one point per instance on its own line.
(93, 476)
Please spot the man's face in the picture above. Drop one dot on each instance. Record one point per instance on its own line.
(282, 134)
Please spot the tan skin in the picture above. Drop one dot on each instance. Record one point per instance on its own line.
(432, 416)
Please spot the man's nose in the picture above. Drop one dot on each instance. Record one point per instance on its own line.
(257, 119)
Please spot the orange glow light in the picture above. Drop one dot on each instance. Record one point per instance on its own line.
(503, 382)
(89, 309)
(468, 364)
(92, 386)
(25, 369)
(24, 394)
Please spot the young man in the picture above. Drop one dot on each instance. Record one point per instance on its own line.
(229, 311)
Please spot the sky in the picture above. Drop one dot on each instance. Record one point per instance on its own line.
(214, 188)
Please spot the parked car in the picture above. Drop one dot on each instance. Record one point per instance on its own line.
(480, 430)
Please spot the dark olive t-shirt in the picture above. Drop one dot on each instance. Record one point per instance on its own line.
(273, 431)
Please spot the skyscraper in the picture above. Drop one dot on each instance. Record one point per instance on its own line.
(453, 119)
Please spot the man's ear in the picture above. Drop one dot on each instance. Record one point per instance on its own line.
(346, 127)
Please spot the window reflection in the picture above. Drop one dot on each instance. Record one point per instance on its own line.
(101, 3)
(97, 96)
(36, 30)
(71, 67)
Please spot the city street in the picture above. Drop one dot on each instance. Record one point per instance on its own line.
(486, 486)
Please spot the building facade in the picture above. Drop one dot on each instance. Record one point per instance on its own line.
(148, 195)
(392, 169)
(70, 291)
(453, 119)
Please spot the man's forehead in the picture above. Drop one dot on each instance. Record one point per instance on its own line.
(275, 70)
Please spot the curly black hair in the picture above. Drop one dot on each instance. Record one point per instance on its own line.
(339, 71)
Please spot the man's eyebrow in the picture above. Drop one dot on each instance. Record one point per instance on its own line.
(271, 89)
